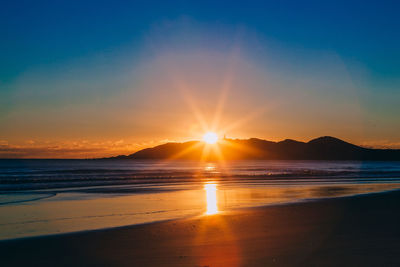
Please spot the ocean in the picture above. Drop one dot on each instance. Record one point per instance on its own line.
(41, 197)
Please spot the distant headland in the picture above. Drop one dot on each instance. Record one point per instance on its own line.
(322, 148)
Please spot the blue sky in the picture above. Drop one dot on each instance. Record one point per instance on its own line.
(58, 57)
(48, 32)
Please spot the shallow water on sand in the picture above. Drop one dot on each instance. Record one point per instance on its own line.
(40, 197)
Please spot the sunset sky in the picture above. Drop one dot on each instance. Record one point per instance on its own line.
(104, 78)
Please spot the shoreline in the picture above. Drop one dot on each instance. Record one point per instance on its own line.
(187, 217)
(235, 233)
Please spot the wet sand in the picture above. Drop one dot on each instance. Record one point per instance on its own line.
(351, 231)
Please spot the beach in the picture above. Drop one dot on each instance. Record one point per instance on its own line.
(359, 230)
(199, 133)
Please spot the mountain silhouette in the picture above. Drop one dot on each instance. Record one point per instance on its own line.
(322, 148)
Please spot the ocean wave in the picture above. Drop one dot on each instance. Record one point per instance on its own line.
(29, 175)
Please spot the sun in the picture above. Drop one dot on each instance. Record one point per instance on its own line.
(210, 137)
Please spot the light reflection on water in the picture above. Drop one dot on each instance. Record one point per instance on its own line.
(211, 198)
(76, 211)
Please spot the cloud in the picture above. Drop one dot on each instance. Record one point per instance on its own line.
(384, 144)
(3, 143)
(7, 151)
(70, 149)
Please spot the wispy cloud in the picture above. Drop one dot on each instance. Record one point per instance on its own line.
(71, 149)
(382, 144)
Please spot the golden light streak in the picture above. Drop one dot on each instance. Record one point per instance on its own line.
(226, 87)
(252, 115)
(213, 150)
(191, 103)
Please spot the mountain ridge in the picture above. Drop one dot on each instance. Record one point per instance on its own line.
(321, 148)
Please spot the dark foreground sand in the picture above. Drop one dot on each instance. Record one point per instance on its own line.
(354, 231)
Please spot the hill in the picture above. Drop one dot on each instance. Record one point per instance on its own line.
(322, 148)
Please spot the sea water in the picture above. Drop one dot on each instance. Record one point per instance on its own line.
(41, 197)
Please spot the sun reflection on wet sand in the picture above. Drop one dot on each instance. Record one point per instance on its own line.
(211, 198)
